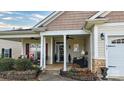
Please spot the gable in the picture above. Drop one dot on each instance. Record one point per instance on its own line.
(70, 20)
(116, 16)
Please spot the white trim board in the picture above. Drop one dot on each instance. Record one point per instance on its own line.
(105, 13)
(52, 19)
(65, 32)
(100, 14)
(19, 36)
(96, 15)
(116, 34)
(16, 32)
(112, 24)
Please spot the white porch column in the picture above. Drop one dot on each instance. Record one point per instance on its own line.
(95, 42)
(65, 54)
(91, 54)
(41, 51)
(51, 51)
(44, 62)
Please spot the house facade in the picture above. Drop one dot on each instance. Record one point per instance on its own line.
(64, 35)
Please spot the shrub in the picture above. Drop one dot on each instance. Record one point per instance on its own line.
(6, 64)
(23, 64)
(36, 62)
(70, 73)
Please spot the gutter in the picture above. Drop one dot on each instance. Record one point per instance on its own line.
(16, 32)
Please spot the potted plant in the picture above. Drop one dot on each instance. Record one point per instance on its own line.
(104, 72)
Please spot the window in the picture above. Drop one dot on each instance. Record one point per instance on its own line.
(7, 52)
(118, 41)
(122, 40)
(113, 42)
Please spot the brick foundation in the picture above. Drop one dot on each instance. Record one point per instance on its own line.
(96, 64)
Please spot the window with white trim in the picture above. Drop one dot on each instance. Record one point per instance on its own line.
(118, 41)
(7, 52)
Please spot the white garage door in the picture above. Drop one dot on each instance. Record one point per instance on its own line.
(116, 57)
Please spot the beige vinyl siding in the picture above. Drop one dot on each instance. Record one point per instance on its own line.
(14, 45)
(101, 45)
(110, 30)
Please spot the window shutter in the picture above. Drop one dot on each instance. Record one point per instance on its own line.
(10, 52)
(2, 53)
(27, 50)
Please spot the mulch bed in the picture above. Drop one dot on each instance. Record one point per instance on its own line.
(80, 74)
(19, 75)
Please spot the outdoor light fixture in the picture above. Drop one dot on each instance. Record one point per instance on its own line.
(102, 36)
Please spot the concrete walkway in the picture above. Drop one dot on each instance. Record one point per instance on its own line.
(52, 76)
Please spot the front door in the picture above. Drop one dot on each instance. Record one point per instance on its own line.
(59, 51)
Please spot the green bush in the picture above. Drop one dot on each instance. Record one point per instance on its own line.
(23, 64)
(36, 62)
(6, 64)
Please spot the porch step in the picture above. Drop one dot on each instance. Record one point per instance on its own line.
(53, 72)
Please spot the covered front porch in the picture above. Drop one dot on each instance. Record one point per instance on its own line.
(53, 49)
(61, 47)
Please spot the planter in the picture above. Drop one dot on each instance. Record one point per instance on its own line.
(104, 72)
(19, 75)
